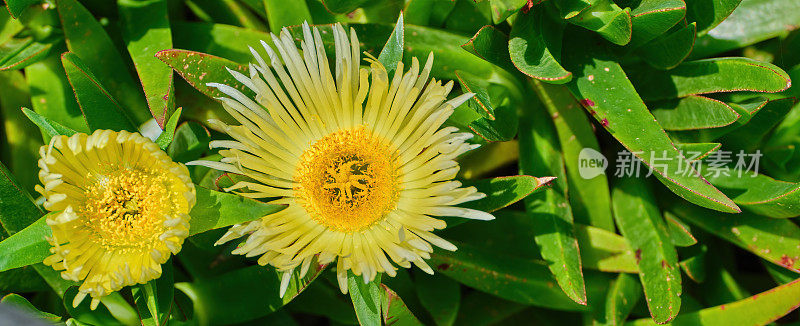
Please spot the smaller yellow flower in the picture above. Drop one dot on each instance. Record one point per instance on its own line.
(123, 209)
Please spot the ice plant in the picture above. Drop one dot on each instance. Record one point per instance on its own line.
(361, 161)
(122, 209)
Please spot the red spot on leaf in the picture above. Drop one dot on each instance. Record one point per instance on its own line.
(722, 307)
(638, 255)
(443, 267)
(664, 264)
(604, 122)
(527, 7)
(786, 261)
(587, 102)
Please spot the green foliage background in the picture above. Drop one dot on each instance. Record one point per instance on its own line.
(551, 79)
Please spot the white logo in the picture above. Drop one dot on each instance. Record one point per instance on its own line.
(591, 163)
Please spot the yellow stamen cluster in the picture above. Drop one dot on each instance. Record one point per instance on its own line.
(347, 180)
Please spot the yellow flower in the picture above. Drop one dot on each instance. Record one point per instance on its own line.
(123, 209)
(362, 162)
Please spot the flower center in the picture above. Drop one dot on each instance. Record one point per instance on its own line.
(127, 207)
(347, 180)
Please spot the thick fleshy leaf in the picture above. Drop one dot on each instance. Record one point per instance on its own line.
(440, 295)
(605, 251)
(693, 112)
(760, 309)
(751, 22)
(49, 127)
(23, 304)
(588, 193)
(286, 13)
(679, 233)
(694, 262)
(669, 50)
(199, 69)
(101, 315)
(244, 294)
(28, 245)
(710, 76)
(99, 107)
(154, 299)
(216, 210)
(213, 39)
(535, 46)
(651, 18)
(624, 294)
(571, 8)
(53, 97)
(89, 41)
(395, 311)
(776, 240)
(503, 191)
(392, 52)
(607, 19)
(626, 117)
(189, 142)
(640, 222)
(342, 6)
(488, 114)
(165, 138)
(745, 110)
(17, 7)
(491, 44)
(520, 280)
(20, 53)
(749, 136)
(367, 299)
(146, 31)
(20, 142)
(709, 13)
(697, 151)
(758, 193)
(550, 209)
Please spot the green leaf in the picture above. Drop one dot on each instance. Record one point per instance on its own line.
(441, 297)
(502, 9)
(605, 251)
(749, 136)
(753, 21)
(154, 299)
(693, 112)
(571, 8)
(479, 308)
(694, 262)
(49, 127)
(114, 310)
(535, 46)
(651, 18)
(697, 151)
(189, 142)
(286, 13)
(146, 31)
(87, 39)
(199, 69)
(503, 191)
(488, 158)
(395, 311)
(710, 76)
(624, 294)
(243, 294)
(213, 39)
(28, 245)
(641, 223)
(760, 309)
(215, 210)
(165, 138)
(20, 53)
(589, 196)
(679, 233)
(342, 6)
(228, 12)
(392, 52)
(17, 208)
(481, 113)
(23, 304)
(99, 108)
(491, 44)
(52, 95)
(758, 193)
(17, 7)
(366, 299)
(709, 13)
(626, 117)
(669, 50)
(776, 240)
(550, 210)
(608, 20)
(525, 281)
(19, 143)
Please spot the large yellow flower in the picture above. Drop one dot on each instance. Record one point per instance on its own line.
(123, 209)
(362, 181)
